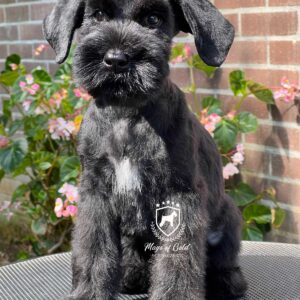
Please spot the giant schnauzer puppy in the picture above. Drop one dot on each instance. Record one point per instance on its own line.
(141, 148)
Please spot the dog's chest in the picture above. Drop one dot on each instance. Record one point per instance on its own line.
(136, 154)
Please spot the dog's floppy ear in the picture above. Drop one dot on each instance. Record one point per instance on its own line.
(212, 32)
(59, 26)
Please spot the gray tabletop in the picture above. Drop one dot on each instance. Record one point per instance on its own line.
(272, 271)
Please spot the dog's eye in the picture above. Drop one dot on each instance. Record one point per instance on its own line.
(100, 16)
(153, 20)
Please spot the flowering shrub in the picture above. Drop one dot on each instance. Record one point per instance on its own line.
(38, 127)
(226, 129)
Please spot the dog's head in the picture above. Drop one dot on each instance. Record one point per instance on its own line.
(124, 45)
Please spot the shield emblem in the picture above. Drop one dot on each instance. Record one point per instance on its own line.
(168, 219)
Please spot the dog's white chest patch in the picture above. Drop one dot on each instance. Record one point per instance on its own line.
(127, 177)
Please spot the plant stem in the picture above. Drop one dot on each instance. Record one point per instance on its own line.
(194, 91)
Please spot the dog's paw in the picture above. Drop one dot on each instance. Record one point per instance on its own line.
(225, 285)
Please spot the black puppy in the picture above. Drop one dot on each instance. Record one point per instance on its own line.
(153, 216)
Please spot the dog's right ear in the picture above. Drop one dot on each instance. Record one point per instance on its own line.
(60, 25)
(212, 32)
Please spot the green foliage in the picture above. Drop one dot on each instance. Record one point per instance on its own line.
(226, 127)
(47, 159)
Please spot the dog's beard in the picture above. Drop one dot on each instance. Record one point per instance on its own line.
(146, 72)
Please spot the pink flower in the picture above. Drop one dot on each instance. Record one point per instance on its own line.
(26, 104)
(72, 210)
(240, 148)
(237, 158)
(39, 49)
(22, 84)
(35, 87)
(29, 79)
(59, 207)
(14, 67)
(210, 127)
(188, 51)
(60, 128)
(287, 92)
(70, 191)
(229, 170)
(81, 93)
(214, 118)
(231, 115)
(187, 54)
(4, 141)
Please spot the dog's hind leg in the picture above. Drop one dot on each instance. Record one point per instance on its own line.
(224, 279)
(135, 266)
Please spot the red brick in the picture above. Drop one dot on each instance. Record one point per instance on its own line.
(180, 76)
(287, 192)
(284, 2)
(248, 52)
(291, 223)
(256, 161)
(17, 13)
(238, 3)
(8, 33)
(277, 137)
(270, 78)
(285, 53)
(3, 51)
(40, 10)
(233, 19)
(24, 50)
(282, 23)
(285, 112)
(284, 166)
(53, 68)
(31, 32)
(2, 16)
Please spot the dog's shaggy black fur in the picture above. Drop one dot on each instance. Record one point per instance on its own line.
(140, 146)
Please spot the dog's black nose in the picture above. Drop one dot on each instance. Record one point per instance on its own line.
(116, 59)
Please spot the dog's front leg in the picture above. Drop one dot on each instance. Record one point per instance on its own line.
(96, 249)
(178, 270)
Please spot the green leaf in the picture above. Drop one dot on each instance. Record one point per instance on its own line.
(259, 213)
(15, 126)
(39, 227)
(238, 84)
(242, 194)
(199, 64)
(261, 92)
(278, 217)
(12, 59)
(247, 122)
(2, 174)
(210, 101)
(70, 168)
(8, 78)
(44, 166)
(20, 192)
(13, 155)
(252, 233)
(225, 135)
(41, 76)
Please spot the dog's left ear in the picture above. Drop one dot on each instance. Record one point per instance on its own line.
(212, 32)
(60, 25)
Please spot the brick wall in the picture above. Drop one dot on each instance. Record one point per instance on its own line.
(267, 46)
